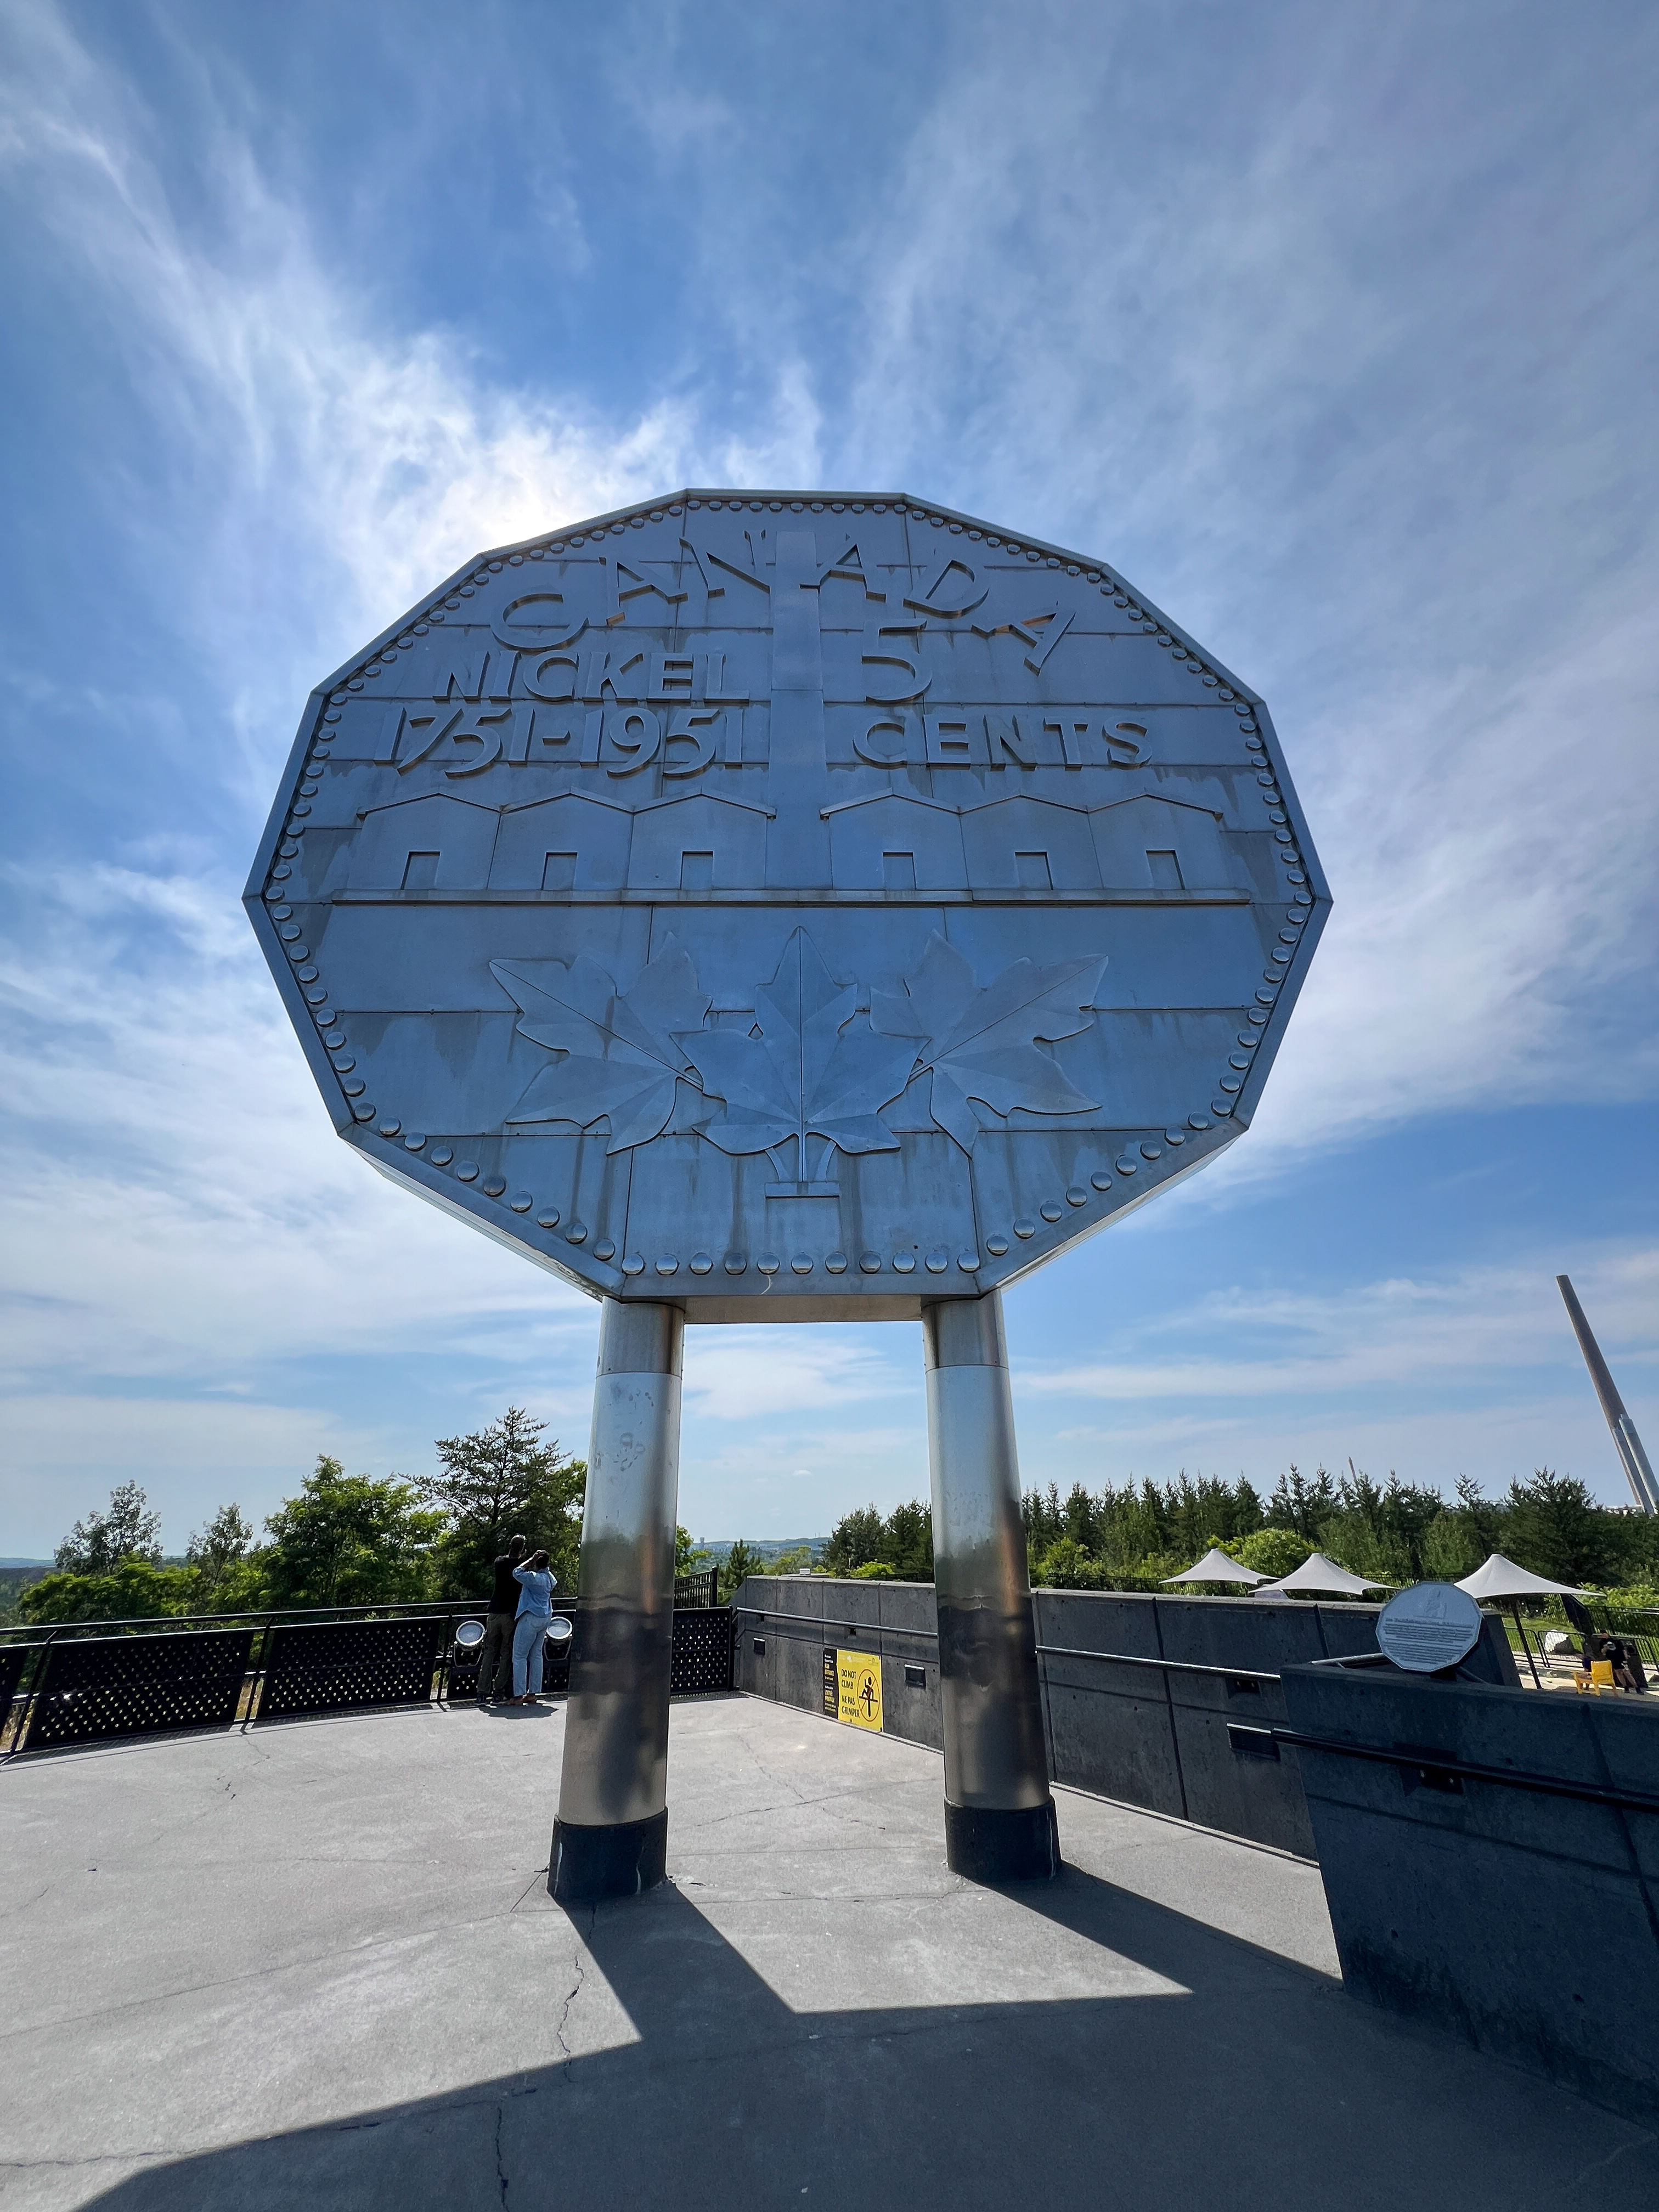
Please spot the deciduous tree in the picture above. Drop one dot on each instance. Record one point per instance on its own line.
(350, 1540)
(129, 1530)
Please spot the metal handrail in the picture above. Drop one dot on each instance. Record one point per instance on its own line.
(262, 1616)
(1433, 1762)
(828, 1620)
(1168, 1665)
(262, 1621)
(1242, 1674)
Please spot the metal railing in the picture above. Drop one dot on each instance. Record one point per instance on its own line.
(1440, 1769)
(39, 1639)
(26, 1666)
(808, 1622)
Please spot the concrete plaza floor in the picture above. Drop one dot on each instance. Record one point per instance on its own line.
(316, 1964)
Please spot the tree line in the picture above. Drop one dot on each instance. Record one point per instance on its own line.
(1133, 1537)
(345, 1539)
(356, 1539)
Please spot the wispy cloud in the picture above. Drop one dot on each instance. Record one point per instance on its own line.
(1323, 381)
(732, 1373)
(1424, 1336)
(1333, 329)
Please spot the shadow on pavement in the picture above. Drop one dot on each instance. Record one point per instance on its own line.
(1256, 2082)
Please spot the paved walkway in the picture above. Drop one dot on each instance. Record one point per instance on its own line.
(316, 1965)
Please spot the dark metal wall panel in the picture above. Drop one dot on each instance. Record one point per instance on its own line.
(1111, 1730)
(911, 1710)
(1516, 1919)
(95, 1688)
(798, 1654)
(1194, 1746)
(1245, 1632)
(1236, 1777)
(331, 1667)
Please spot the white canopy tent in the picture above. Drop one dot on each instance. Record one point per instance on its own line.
(1321, 1577)
(1215, 1567)
(1500, 1582)
(1500, 1579)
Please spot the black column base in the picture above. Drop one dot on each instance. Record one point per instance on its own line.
(590, 1864)
(984, 1844)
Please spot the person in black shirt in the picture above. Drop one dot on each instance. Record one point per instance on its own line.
(495, 1660)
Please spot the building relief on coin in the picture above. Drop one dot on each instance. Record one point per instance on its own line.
(785, 896)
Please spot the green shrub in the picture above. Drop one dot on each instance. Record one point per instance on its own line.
(1067, 1565)
(135, 1591)
(1275, 1551)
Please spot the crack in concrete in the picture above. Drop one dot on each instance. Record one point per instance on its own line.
(91, 2159)
(571, 1996)
(354, 2124)
(354, 1952)
(501, 2161)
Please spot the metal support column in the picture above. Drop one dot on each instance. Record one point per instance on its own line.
(611, 1838)
(1638, 1472)
(998, 1813)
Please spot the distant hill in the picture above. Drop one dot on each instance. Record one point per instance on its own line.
(24, 1562)
(765, 1548)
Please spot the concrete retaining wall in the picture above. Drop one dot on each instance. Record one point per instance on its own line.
(1525, 1922)
(1193, 1745)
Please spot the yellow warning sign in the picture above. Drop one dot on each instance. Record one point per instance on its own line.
(859, 1674)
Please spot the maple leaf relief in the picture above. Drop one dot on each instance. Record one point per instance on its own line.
(811, 1070)
(810, 1065)
(983, 1043)
(621, 1063)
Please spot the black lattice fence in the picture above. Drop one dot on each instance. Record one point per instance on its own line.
(89, 1689)
(93, 1688)
(697, 1593)
(703, 1651)
(326, 1667)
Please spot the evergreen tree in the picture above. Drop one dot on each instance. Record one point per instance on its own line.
(903, 1542)
(1556, 1528)
(855, 1540)
(739, 1563)
(1483, 1519)
(498, 1482)
(907, 1542)
(1304, 1505)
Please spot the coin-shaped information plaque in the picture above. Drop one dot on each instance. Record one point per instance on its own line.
(788, 906)
(1428, 1627)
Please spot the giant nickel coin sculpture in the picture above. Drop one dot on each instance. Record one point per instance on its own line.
(778, 906)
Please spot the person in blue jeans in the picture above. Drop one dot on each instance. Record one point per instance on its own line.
(530, 1629)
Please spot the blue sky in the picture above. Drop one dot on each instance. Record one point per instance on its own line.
(1333, 327)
